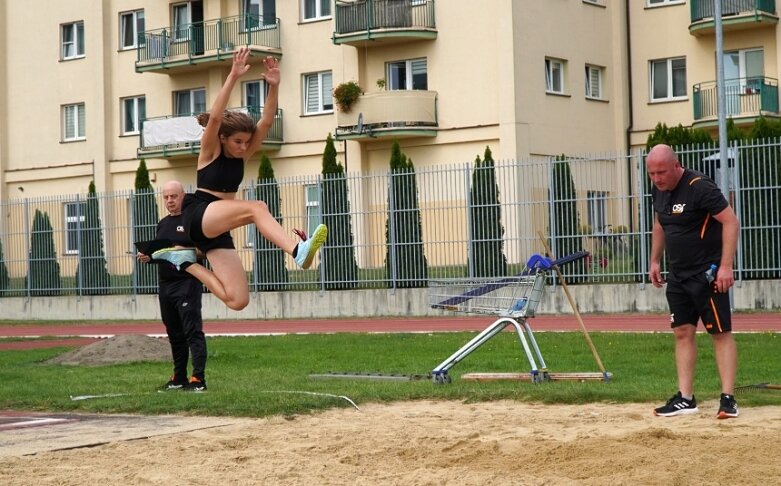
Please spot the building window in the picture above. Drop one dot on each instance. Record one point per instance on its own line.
(554, 76)
(74, 221)
(318, 97)
(659, 3)
(189, 102)
(258, 13)
(131, 29)
(315, 9)
(312, 194)
(181, 15)
(133, 113)
(410, 74)
(72, 40)
(668, 79)
(254, 97)
(73, 122)
(597, 211)
(594, 82)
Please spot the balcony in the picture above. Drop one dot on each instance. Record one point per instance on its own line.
(746, 100)
(735, 15)
(390, 114)
(180, 135)
(207, 43)
(363, 23)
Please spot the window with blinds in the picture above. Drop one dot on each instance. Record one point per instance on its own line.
(73, 122)
(593, 82)
(318, 96)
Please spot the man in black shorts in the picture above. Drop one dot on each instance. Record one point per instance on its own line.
(180, 300)
(698, 229)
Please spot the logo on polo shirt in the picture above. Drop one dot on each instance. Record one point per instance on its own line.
(180, 229)
(678, 208)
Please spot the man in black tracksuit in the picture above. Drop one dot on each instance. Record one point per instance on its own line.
(180, 300)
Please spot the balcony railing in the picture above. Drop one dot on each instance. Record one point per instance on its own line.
(399, 114)
(745, 97)
(736, 14)
(208, 41)
(360, 21)
(174, 135)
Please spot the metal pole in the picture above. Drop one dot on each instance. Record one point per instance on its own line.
(721, 94)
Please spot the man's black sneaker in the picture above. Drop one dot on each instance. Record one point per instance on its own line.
(728, 407)
(196, 385)
(175, 383)
(677, 405)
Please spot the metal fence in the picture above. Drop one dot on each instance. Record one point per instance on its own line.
(400, 230)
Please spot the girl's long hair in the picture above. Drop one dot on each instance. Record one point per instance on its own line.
(232, 122)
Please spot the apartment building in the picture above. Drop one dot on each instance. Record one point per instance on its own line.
(93, 87)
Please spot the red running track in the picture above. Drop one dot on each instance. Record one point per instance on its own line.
(83, 333)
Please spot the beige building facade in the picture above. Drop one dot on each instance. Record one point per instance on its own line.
(93, 87)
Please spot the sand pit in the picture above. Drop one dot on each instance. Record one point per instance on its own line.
(437, 443)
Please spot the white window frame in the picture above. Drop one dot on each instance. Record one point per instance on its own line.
(72, 40)
(262, 89)
(597, 211)
(312, 205)
(135, 20)
(74, 112)
(180, 31)
(325, 101)
(669, 79)
(663, 3)
(555, 69)
(74, 223)
(193, 108)
(594, 92)
(319, 13)
(409, 66)
(133, 111)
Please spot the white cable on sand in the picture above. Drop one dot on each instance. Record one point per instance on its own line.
(87, 397)
(312, 393)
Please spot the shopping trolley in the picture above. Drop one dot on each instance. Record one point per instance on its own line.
(512, 299)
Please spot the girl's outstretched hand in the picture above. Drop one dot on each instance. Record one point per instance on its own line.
(240, 58)
(271, 65)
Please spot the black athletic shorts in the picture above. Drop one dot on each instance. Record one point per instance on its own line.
(693, 299)
(193, 207)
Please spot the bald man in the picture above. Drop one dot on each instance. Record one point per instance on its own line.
(697, 228)
(180, 300)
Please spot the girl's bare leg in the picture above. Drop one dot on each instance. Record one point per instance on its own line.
(227, 214)
(227, 279)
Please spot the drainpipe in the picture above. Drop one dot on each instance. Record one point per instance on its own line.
(631, 107)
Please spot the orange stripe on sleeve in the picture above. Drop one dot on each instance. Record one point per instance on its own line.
(704, 226)
(694, 180)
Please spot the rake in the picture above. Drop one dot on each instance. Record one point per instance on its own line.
(761, 386)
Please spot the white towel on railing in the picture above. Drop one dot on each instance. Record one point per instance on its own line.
(170, 131)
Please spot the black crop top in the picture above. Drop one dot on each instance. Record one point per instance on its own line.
(223, 174)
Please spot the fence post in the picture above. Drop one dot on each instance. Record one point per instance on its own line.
(391, 230)
(28, 245)
(470, 265)
(735, 178)
(643, 227)
(551, 213)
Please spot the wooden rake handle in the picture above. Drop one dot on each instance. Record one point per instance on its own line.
(574, 306)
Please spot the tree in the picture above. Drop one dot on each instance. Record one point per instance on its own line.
(144, 220)
(565, 226)
(92, 276)
(338, 253)
(405, 261)
(677, 136)
(43, 276)
(270, 272)
(5, 281)
(486, 241)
